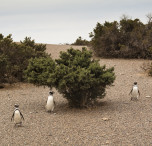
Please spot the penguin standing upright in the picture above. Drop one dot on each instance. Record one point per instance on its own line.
(50, 102)
(135, 92)
(17, 116)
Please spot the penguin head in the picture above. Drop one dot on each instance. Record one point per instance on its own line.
(51, 92)
(16, 105)
(135, 83)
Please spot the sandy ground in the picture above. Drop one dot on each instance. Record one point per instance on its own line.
(114, 121)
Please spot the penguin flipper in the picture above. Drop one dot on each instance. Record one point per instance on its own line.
(12, 116)
(139, 92)
(54, 102)
(131, 91)
(22, 116)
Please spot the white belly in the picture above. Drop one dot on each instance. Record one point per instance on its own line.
(135, 92)
(50, 104)
(17, 117)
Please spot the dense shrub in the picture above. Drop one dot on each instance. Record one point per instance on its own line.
(125, 39)
(75, 75)
(39, 70)
(3, 68)
(14, 57)
(79, 78)
(7, 53)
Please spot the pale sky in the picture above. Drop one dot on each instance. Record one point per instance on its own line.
(63, 21)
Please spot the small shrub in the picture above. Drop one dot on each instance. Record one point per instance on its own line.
(124, 39)
(80, 78)
(38, 70)
(80, 42)
(16, 57)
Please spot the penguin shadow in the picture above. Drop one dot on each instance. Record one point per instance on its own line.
(18, 126)
(133, 99)
(49, 112)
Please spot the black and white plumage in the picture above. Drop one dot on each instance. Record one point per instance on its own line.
(17, 116)
(50, 104)
(135, 93)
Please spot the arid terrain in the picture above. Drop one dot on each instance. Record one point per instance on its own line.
(114, 121)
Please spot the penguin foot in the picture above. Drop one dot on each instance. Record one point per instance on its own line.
(134, 99)
(18, 125)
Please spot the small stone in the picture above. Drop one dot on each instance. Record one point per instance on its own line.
(67, 140)
(107, 142)
(105, 119)
(148, 96)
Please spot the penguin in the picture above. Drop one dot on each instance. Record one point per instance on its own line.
(17, 116)
(135, 92)
(50, 104)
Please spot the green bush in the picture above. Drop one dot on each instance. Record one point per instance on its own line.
(39, 70)
(125, 39)
(16, 56)
(80, 42)
(75, 75)
(80, 78)
(3, 68)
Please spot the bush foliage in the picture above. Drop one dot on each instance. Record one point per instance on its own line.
(80, 42)
(125, 39)
(39, 70)
(79, 78)
(75, 75)
(3, 67)
(14, 57)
